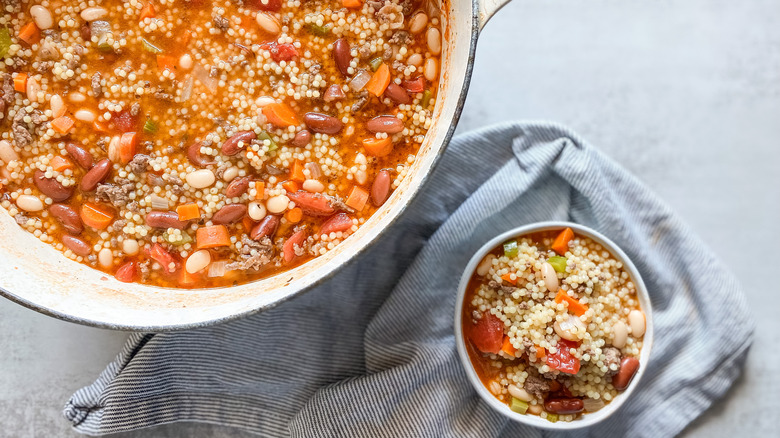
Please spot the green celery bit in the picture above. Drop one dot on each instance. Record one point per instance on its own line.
(558, 263)
(103, 45)
(150, 127)
(552, 418)
(5, 42)
(149, 47)
(426, 99)
(185, 239)
(375, 63)
(510, 249)
(266, 136)
(316, 30)
(518, 406)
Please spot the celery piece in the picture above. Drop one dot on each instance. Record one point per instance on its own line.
(317, 30)
(558, 263)
(5, 42)
(518, 406)
(510, 248)
(375, 63)
(266, 136)
(426, 99)
(150, 127)
(552, 418)
(185, 239)
(149, 47)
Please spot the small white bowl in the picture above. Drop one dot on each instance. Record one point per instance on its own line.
(586, 419)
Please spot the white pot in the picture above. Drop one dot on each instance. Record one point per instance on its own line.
(37, 276)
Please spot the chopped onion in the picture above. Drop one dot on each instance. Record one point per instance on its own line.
(159, 203)
(315, 170)
(99, 28)
(568, 327)
(186, 89)
(217, 269)
(592, 404)
(360, 80)
(203, 77)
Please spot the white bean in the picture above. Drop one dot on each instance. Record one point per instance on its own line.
(535, 409)
(57, 106)
(415, 59)
(76, 97)
(361, 176)
(230, 173)
(314, 186)
(277, 204)
(268, 22)
(418, 22)
(619, 334)
(550, 277)
(106, 258)
(92, 14)
(520, 393)
(113, 149)
(42, 17)
(636, 318)
(264, 101)
(200, 179)
(85, 115)
(198, 261)
(433, 36)
(32, 89)
(484, 266)
(7, 152)
(185, 61)
(29, 203)
(130, 247)
(256, 210)
(431, 69)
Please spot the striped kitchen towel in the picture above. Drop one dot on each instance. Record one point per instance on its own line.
(371, 352)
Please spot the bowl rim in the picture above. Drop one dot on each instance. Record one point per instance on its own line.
(584, 420)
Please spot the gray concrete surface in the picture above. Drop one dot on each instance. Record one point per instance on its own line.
(685, 94)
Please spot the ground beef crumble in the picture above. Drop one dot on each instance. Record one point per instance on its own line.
(253, 255)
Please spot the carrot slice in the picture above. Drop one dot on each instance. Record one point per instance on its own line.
(508, 279)
(62, 124)
(575, 306)
(20, 82)
(147, 12)
(296, 174)
(291, 186)
(280, 115)
(212, 237)
(260, 189)
(96, 216)
(59, 163)
(166, 62)
(379, 81)
(99, 127)
(29, 33)
(294, 216)
(128, 144)
(357, 198)
(248, 223)
(508, 348)
(561, 243)
(378, 147)
(352, 4)
(188, 212)
(188, 280)
(540, 352)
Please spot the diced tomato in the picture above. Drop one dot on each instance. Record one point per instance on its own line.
(338, 222)
(487, 333)
(125, 122)
(312, 204)
(562, 360)
(264, 5)
(127, 272)
(163, 257)
(416, 85)
(289, 246)
(281, 52)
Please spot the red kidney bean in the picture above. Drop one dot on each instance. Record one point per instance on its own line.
(51, 187)
(334, 92)
(193, 154)
(96, 175)
(564, 405)
(68, 218)
(337, 222)
(229, 214)
(164, 219)
(79, 155)
(322, 123)
(266, 228)
(78, 246)
(628, 368)
(313, 204)
(230, 146)
(342, 55)
(301, 139)
(380, 189)
(397, 94)
(388, 124)
(237, 187)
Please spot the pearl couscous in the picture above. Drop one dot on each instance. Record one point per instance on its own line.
(198, 143)
(553, 325)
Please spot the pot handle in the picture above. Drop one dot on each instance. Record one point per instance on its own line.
(487, 8)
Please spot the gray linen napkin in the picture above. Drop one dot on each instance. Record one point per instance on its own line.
(367, 354)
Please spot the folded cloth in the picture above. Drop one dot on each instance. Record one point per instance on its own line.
(367, 354)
